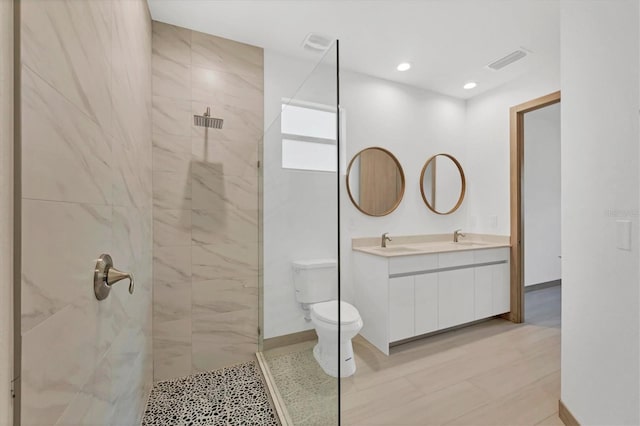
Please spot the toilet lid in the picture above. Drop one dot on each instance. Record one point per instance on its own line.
(328, 312)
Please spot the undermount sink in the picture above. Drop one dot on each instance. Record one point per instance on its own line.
(469, 243)
(396, 249)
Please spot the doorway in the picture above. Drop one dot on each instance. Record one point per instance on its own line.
(518, 211)
(541, 217)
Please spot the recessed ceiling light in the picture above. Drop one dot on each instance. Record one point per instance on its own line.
(404, 66)
(470, 85)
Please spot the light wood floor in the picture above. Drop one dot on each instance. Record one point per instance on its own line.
(493, 373)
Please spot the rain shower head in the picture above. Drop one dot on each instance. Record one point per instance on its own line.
(206, 120)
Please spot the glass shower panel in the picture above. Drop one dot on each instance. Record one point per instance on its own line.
(299, 258)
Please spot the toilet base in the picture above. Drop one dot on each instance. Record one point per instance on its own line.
(325, 354)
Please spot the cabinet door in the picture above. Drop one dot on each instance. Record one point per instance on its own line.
(455, 297)
(426, 303)
(401, 308)
(501, 288)
(484, 291)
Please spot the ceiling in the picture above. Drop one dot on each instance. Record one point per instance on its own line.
(448, 42)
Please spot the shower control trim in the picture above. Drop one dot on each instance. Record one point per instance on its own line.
(105, 276)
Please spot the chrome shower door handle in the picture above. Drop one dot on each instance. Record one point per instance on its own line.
(105, 276)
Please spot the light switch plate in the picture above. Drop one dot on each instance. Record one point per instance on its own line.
(623, 234)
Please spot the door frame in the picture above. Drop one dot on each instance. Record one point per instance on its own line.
(516, 135)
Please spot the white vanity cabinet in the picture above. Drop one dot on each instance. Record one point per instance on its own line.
(401, 297)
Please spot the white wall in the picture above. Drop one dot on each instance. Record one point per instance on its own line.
(541, 194)
(299, 207)
(488, 149)
(600, 322)
(414, 124)
(6, 210)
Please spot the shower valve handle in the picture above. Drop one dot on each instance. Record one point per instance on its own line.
(105, 276)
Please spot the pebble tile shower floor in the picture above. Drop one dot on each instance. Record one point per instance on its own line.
(233, 395)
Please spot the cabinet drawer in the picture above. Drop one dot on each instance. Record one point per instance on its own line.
(491, 255)
(457, 258)
(408, 264)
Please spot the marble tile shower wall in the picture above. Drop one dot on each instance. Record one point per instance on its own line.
(86, 181)
(205, 195)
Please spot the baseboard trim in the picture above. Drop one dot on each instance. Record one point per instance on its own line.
(288, 339)
(444, 330)
(565, 415)
(540, 286)
(272, 389)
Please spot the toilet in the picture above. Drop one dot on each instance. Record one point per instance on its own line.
(316, 284)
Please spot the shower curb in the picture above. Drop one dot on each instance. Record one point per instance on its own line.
(272, 390)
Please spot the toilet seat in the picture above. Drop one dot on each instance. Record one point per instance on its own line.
(328, 312)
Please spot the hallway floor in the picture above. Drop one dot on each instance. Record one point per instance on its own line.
(542, 307)
(492, 373)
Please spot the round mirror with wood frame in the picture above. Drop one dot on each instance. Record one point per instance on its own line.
(442, 184)
(375, 181)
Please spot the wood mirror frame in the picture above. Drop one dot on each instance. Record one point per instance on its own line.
(463, 187)
(399, 194)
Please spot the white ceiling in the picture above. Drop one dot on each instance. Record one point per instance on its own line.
(448, 42)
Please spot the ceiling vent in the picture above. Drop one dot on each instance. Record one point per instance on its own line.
(507, 60)
(317, 42)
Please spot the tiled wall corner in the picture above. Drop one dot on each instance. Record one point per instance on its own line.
(205, 191)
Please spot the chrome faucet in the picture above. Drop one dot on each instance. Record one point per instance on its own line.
(385, 238)
(457, 234)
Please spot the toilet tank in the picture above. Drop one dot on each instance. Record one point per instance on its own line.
(315, 280)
